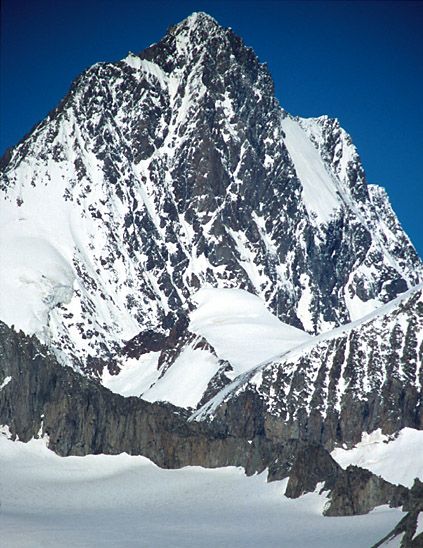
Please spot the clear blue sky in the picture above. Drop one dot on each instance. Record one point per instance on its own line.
(361, 62)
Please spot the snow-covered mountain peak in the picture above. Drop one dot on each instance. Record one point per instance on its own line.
(175, 169)
(199, 44)
(198, 21)
(172, 232)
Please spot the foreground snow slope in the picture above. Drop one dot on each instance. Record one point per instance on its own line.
(127, 501)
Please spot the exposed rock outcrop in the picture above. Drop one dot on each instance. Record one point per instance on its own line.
(354, 380)
(350, 492)
(358, 491)
(312, 465)
(81, 417)
(406, 532)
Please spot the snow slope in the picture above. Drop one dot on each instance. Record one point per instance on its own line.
(185, 382)
(125, 501)
(398, 461)
(319, 188)
(136, 377)
(241, 330)
(240, 327)
(36, 272)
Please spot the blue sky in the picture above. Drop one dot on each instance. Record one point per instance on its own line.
(361, 62)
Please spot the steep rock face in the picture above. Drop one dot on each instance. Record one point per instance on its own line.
(175, 168)
(312, 465)
(366, 376)
(351, 492)
(39, 397)
(357, 491)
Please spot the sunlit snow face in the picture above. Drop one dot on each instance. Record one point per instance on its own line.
(240, 327)
(241, 331)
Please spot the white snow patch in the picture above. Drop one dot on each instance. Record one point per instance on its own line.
(247, 258)
(419, 528)
(240, 328)
(304, 304)
(148, 67)
(5, 382)
(382, 457)
(36, 272)
(136, 376)
(394, 542)
(5, 431)
(358, 308)
(319, 189)
(34, 277)
(186, 380)
(134, 61)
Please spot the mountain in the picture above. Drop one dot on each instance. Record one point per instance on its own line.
(176, 168)
(190, 273)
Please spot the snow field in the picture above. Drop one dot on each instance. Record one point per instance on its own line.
(319, 190)
(96, 501)
(240, 329)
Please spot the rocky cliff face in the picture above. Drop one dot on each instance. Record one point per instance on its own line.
(351, 492)
(175, 168)
(39, 397)
(406, 534)
(355, 379)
